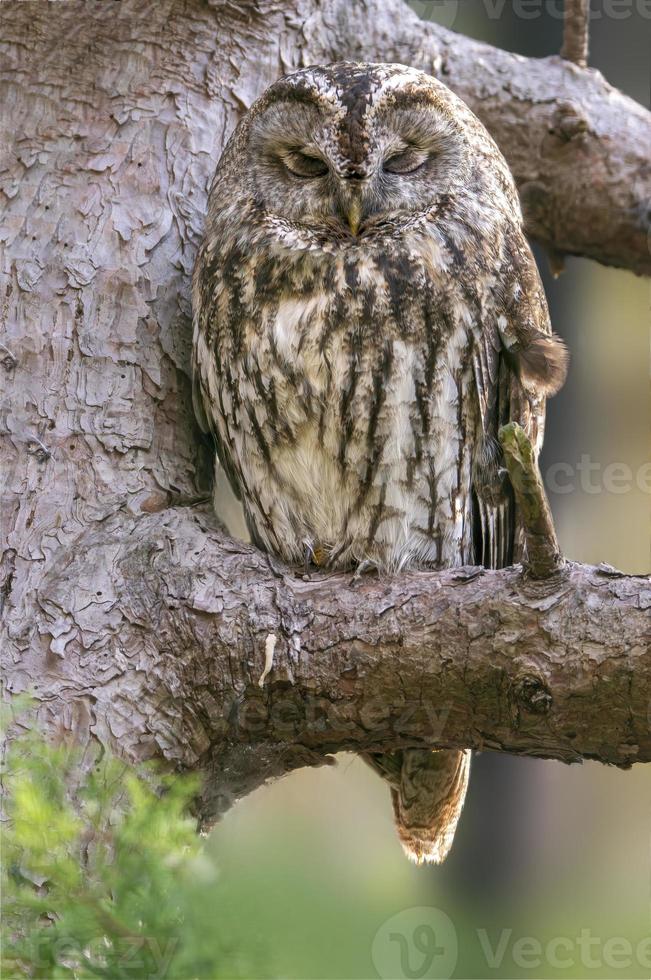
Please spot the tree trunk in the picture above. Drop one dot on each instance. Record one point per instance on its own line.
(131, 618)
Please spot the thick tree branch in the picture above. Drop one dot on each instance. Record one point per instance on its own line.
(465, 657)
(576, 32)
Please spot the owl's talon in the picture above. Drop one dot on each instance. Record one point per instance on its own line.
(308, 559)
(366, 567)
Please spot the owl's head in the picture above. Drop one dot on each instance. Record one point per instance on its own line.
(348, 148)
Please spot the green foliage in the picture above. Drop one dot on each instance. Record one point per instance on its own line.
(104, 874)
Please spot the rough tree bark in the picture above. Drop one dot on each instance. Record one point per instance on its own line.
(216, 657)
(135, 621)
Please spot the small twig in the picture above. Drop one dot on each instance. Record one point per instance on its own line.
(543, 554)
(576, 32)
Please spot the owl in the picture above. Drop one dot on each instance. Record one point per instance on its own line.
(367, 314)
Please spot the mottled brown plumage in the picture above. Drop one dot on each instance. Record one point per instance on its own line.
(367, 314)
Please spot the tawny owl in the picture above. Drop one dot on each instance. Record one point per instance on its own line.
(367, 314)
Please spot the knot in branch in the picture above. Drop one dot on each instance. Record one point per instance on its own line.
(531, 692)
(569, 121)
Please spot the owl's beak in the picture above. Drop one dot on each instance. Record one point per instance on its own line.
(354, 215)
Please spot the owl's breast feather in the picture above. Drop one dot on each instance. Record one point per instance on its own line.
(341, 386)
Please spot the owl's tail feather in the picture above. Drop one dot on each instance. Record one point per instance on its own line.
(428, 790)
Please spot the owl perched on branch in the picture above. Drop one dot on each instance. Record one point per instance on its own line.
(367, 314)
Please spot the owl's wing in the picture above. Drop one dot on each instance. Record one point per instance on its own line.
(518, 363)
(202, 364)
(197, 400)
(492, 498)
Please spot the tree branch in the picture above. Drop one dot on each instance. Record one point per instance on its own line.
(576, 32)
(578, 148)
(543, 554)
(471, 658)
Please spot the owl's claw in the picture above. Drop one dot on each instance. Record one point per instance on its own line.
(307, 560)
(315, 554)
(366, 567)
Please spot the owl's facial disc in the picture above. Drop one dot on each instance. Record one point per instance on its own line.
(354, 173)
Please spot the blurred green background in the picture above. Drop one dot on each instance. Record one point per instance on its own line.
(543, 850)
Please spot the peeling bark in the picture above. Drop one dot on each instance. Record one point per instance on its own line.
(133, 620)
